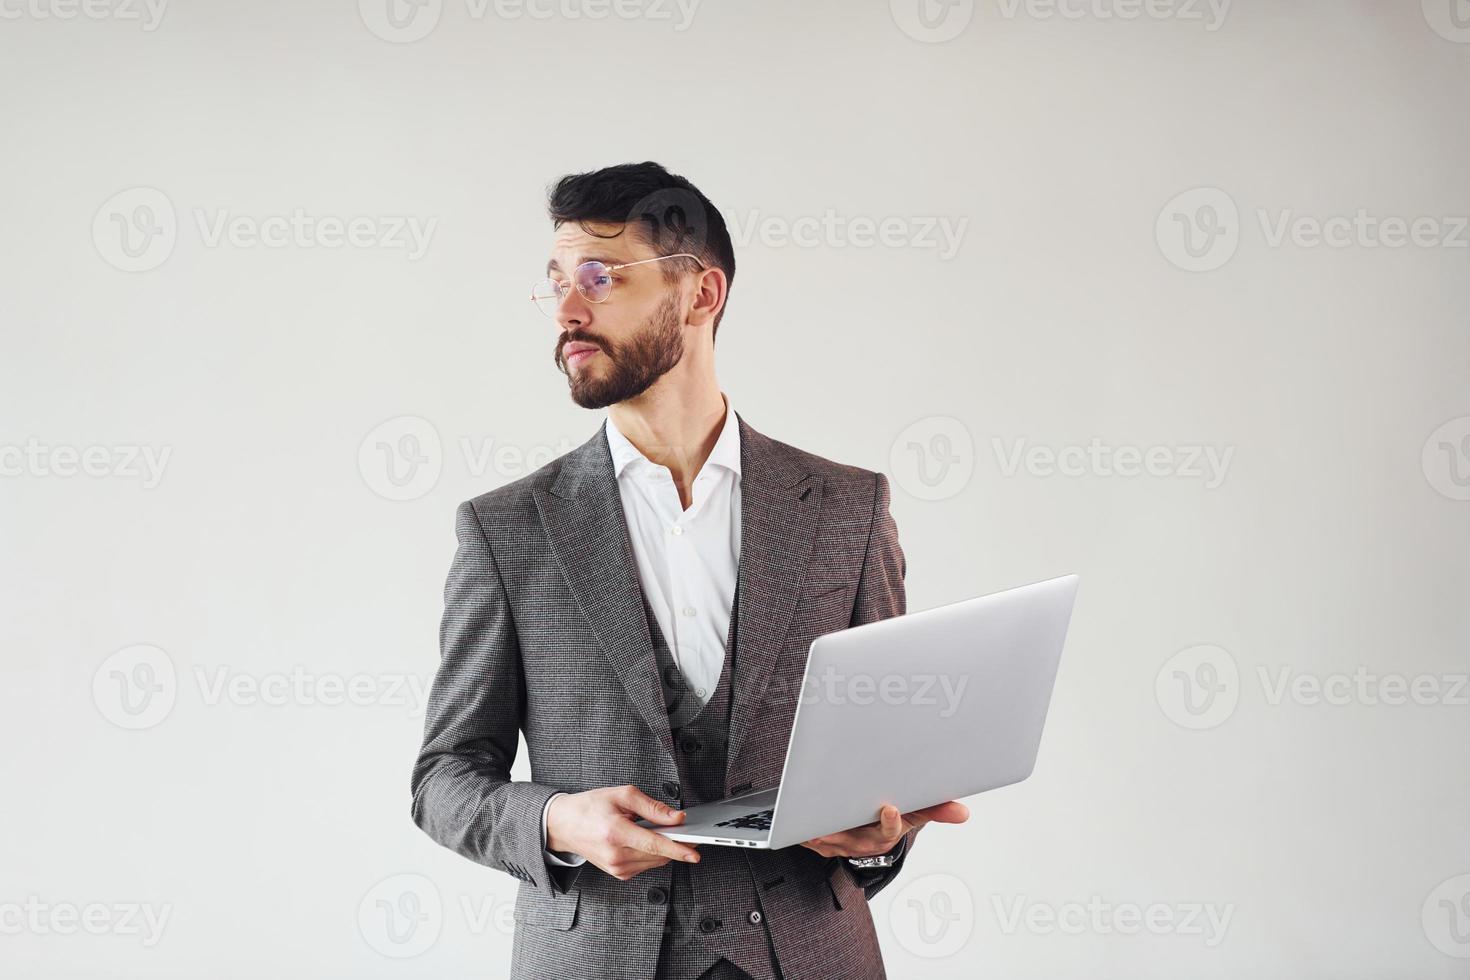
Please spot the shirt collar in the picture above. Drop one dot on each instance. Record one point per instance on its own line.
(726, 451)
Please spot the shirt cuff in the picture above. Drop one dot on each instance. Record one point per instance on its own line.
(565, 859)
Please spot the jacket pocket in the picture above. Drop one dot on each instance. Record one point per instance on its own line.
(535, 907)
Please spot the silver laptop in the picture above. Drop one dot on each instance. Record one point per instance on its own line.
(912, 710)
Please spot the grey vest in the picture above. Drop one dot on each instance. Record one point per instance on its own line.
(705, 923)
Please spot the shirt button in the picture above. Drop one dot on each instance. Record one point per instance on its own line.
(755, 918)
(699, 691)
(676, 529)
(689, 610)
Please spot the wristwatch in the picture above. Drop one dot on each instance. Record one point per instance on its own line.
(877, 861)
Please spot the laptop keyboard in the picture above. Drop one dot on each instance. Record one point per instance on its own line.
(760, 820)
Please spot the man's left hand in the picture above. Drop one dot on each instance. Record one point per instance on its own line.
(879, 837)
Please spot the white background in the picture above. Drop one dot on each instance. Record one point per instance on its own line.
(1337, 539)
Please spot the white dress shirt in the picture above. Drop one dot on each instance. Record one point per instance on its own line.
(687, 560)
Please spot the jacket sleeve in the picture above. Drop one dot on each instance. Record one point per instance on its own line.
(880, 596)
(463, 796)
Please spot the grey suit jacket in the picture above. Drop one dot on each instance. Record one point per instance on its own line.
(544, 633)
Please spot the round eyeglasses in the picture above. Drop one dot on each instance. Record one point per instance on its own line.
(593, 279)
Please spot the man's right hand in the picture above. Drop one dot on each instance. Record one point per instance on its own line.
(598, 825)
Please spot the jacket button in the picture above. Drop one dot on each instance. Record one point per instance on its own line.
(755, 918)
(657, 895)
(671, 788)
(708, 924)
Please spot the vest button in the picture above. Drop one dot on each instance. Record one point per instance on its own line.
(657, 895)
(671, 788)
(708, 924)
(689, 745)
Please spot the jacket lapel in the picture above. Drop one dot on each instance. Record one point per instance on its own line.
(582, 514)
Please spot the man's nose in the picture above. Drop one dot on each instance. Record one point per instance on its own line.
(573, 311)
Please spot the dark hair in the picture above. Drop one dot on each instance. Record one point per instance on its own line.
(665, 211)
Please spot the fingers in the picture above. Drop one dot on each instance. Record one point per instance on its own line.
(634, 800)
(890, 822)
(655, 844)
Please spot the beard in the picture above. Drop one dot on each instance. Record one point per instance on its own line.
(633, 366)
